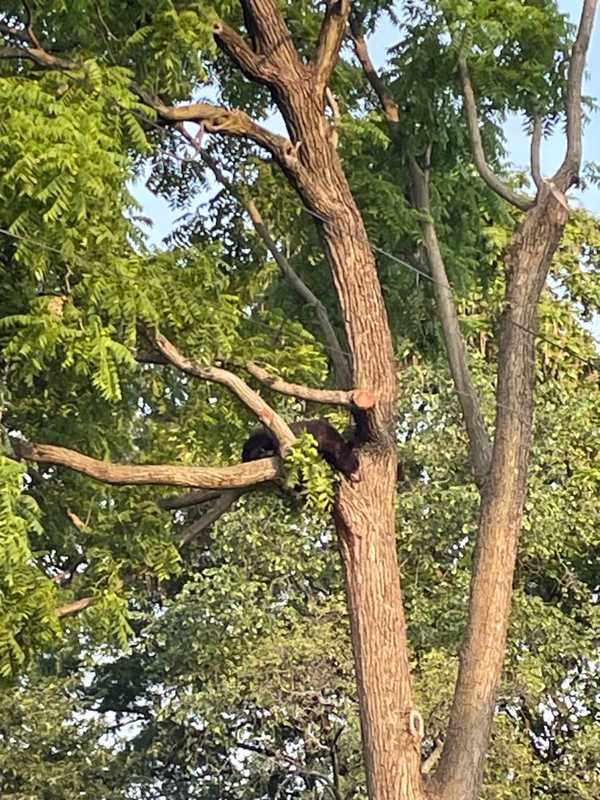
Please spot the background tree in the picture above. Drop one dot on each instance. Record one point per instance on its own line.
(83, 88)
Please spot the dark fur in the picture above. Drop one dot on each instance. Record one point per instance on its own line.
(330, 444)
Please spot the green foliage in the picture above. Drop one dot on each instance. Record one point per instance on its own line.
(307, 470)
(27, 621)
(224, 669)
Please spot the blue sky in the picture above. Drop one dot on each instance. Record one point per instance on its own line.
(517, 143)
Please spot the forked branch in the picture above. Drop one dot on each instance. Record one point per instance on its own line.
(229, 122)
(255, 67)
(269, 33)
(251, 399)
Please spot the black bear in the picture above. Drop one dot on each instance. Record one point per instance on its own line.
(330, 444)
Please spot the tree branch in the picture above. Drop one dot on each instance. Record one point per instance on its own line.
(387, 102)
(255, 67)
(224, 502)
(251, 399)
(27, 46)
(536, 143)
(492, 180)
(332, 344)
(330, 41)
(235, 477)
(359, 398)
(269, 32)
(75, 607)
(569, 169)
(196, 498)
(229, 122)
(480, 445)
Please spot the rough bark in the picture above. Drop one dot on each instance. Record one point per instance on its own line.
(365, 523)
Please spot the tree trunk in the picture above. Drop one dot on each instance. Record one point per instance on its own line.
(365, 524)
(365, 511)
(460, 772)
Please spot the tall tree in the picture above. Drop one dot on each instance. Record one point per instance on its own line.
(146, 65)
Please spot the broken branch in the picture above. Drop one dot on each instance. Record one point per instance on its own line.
(359, 398)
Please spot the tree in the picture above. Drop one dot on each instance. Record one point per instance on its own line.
(272, 56)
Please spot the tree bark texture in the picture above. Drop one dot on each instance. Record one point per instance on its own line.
(365, 510)
(366, 528)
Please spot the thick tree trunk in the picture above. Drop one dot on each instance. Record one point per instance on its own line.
(390, 738)
(460, 772)
(365, 511)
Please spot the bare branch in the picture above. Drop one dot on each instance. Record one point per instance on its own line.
(569, 169)
(330, 41)
(359, 398)
(387, 102)
(251, 399)
(188, 499)
(223, 504)
(75, 607)
(492, 180)
(332, 344)
(235, 477)
(229, 122)
(28, 47)
(480, 446)
(536, 142)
